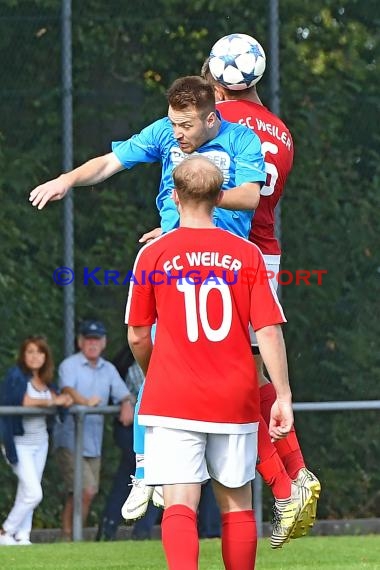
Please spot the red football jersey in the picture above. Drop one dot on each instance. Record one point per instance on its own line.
(203, 286)
(277, 148)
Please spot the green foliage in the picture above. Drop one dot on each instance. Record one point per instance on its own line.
(125, 55)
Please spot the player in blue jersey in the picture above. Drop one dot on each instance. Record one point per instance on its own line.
(193, 126)
(170, 140)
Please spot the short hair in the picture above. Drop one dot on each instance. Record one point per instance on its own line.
(194, 91)
(206, 73)
(47, 369)
(197, 179)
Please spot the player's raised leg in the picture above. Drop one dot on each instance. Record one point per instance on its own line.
(290, 453)
(287, 508)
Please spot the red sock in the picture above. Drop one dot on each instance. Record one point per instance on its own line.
(270, 466)
(180, 538)
(291, 455)
(288, 448)
(239, 540)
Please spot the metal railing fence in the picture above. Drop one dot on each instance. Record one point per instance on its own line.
(80, 412)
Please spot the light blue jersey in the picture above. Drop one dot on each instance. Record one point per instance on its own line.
(236, 150)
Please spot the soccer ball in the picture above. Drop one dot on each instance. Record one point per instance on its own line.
(237, 61)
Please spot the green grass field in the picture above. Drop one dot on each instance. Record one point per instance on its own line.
(315, 553)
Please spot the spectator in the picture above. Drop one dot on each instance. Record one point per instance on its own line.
(25, 439)
(91, 381)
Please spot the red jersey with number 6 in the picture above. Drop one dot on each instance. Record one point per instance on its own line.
(278, 151)
(203, 286)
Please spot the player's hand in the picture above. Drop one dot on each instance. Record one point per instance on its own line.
(93, 401)
(52, 190)
(281, 419)
(153, 234)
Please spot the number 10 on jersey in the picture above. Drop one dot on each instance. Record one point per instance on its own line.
(196, 305)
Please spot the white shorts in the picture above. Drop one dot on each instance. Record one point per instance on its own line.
(178, 456)
(272, 267)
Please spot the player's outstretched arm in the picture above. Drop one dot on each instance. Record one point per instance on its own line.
(272, 349)
(91, 172)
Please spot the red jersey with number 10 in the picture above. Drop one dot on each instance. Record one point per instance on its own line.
(277, 148)
(203, 286)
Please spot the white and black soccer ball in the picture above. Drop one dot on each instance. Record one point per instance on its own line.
(237, 61)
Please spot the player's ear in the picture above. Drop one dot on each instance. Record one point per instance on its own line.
(175, 197)
(219, 198)
(211, 119)
(219, 93)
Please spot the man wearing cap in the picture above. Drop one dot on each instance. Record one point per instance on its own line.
(91, 381)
